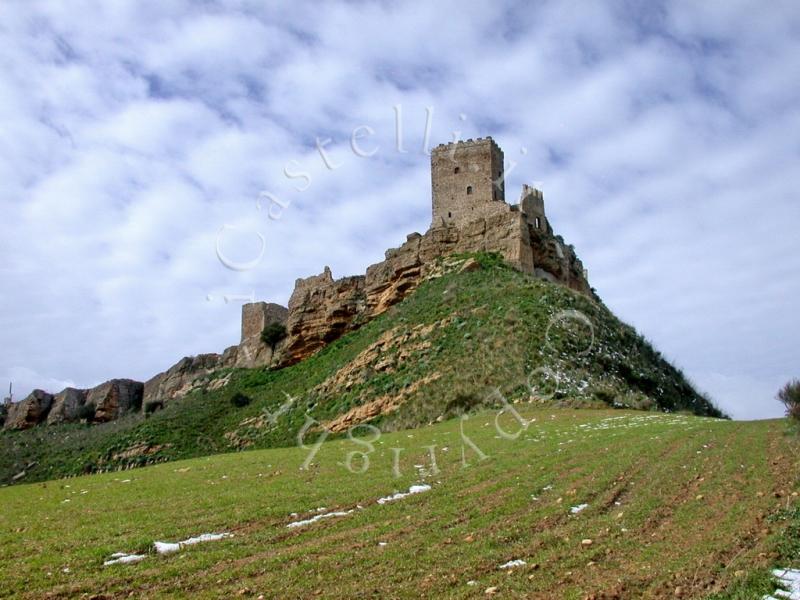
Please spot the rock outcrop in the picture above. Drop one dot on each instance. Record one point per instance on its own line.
(321, 309)
(188, 374)
(29, 412)
(115, 398)
(66, 406)
(192, 372)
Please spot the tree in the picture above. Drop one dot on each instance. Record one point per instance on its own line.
(86, 413)
(789, 395)
(272, 334)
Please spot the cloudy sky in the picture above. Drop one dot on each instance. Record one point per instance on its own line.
(145, 144)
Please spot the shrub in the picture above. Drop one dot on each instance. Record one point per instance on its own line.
(605, 394)
(239, 400)
(789, 395)
(272, 334)
(152, 407)
(86, 413)
(462, 403)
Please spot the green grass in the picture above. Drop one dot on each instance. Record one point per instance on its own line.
(673, 501)
(452, 341)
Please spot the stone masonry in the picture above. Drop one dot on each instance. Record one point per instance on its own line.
(467, 182)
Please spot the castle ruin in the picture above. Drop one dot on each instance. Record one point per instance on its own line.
(469, 214)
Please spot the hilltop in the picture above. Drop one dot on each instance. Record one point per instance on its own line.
(489, 307)
(476, 333)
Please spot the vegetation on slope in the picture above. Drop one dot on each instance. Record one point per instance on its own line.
(676, 506)
(461, 341)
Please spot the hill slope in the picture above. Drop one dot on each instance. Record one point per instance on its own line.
(671, 503)
(469, 338)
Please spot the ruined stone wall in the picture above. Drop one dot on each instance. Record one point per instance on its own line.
(253, 352)
(321, 308)
(531, 202)
(467, 181)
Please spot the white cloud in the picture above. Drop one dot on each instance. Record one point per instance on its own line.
(665, 140)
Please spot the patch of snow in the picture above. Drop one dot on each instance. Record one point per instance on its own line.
(414, 489)
(120, 558)
(790, 579)
(166, 547)
(576, 509)
(318, 517)
(169, 547)
(513, 563)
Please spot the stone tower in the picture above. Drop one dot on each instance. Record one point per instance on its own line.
(466, 177)
(531, 201)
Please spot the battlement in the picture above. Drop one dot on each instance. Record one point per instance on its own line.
(468, 142)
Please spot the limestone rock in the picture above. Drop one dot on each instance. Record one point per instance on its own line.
(115, 398)
(321, 309)
(469, 266)
(29, 412)
(182, 377)
(66, 405)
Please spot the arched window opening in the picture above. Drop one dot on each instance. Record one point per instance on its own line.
(538, 223)
(469, 189)
(457, 169)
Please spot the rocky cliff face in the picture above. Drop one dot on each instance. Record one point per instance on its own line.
(66, 406)
(193, 372)
(180, 379)
(322, 308)
(30, 411)
(118, 397)
(110, 400)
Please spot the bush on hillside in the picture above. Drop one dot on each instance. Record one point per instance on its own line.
(272, 334)
(239, 400)
(86, 413)
(789, 395)
(152, 407)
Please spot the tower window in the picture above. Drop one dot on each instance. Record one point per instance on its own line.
(457, 169)
(449, 215)
(469, 189)
(538, 223)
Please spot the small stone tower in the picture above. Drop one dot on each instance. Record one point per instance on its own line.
(465, 177)
(531, 201)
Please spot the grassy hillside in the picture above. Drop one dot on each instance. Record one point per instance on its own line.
(674, 503)
(461, 341)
